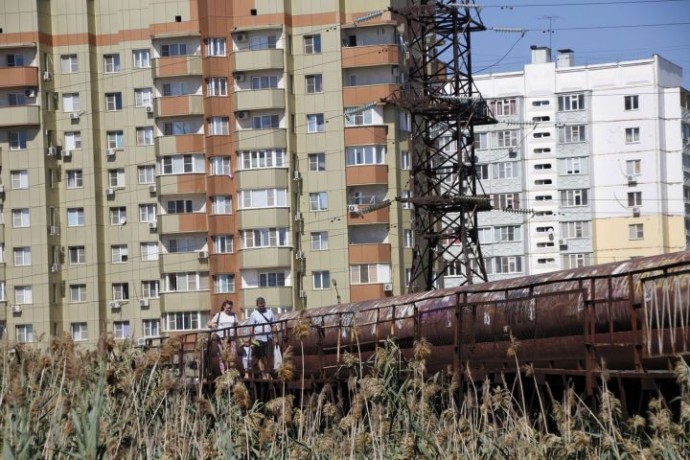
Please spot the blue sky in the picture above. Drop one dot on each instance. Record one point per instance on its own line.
(609, 37)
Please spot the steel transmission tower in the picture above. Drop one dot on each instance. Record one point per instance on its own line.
(444, 107)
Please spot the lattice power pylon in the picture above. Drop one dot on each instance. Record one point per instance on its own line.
(444, 107)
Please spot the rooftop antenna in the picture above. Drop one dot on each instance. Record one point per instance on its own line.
(551, 20)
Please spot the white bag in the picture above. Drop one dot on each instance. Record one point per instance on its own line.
(277, 358)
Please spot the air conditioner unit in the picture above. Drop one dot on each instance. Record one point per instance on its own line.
(55, 268)
(303, 294)
(141, 341)
(149, 109)
(242, 115)
(74, 115)
(110, 153)
(241, 37)
(143, 303)
(298, 216)
(47, 76)
(202, 254)
(30, 93)
(632, 179)
(153, 225)
(297, 175)
(388, 287)
(636, 212)
(353, 208)
(115, 305)
(2, 189)
(299, 254)
(563, 242)
(52, 151)
(110, 191)
(152, 189)
(53, 230)
(16, 308)
(239, 77)
(67, 154)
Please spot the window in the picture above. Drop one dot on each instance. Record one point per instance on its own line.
(218, 126)
(113, 101)
(24, 333)
(141, 59)
(321, 279)
(120, 291)
(540, 103)
(215, 47)
(149, 289)
(70, 102)
(503, 107)
(174, 49)
(632, 102)
(576, 260)
(481, 141)
(115, 139)
(571, 134)
(22, 256)
(318, 201)
(149, 251)
(505, 139)
(17, 140)
(179, 206)
(19, 179)
(312, 44)
(79, 332)
(319, 241)
(224, 283)
(121, 330)
(177, 128)
(506, 201)
(264, 82)
(184, 321)
(265, 238)
(365, 155)
(408, 237)
(570, 102)
(72, 140)
(359, 117)
(263, 42)
(146, 174)
(542, 166)
(77, 293)
(271, 279)
(633, 167)
(370, 273)
(506, 170)
(143, 97)
(263, 198)
(632, 135)
(75, 217)
(119, 253)
(145, 135)
(220, 166)
(263, 159)
(482, 171)
(217, 86)
(574, 197)
(507, 233)
(176, 88)
(116, 177)
(405, 196)
(634, 199)
(180, 164)
(575, 165)
(77, 255)
(118, 215)
(111, 63)
(575, 230)
(314, 83)
(16, 99)
(508, 264)
(15, 60)
(266, 122)
(185, 282)
(221, 204)
(315, 123)
(151, 327)
(23, 295)
(405, 160)
(21, 218)
(69, 63)
(223, 244)
(317, 162)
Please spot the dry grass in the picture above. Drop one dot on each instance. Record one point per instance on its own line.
(62, 401)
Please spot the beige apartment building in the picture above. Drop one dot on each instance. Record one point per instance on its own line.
(161, 155)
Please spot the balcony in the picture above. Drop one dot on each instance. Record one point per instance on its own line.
(182, 262)
(250, 60)
(193, 222)
(260, 99)
(263, 178)
(279, 296)
(176, 106)
(380, 216)
(364, 135)
(360, 292)
(261, 218)
(370, 253)
(265, 257)
(185, 143)
(18, 77)
(258, 139)
(181, 184)
(176, 66)
(365, 175)
(354, 96)
(360, 56)
(184, 300)
(19, 115)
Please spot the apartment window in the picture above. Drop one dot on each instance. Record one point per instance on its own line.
(116, 177)
(574, 197)
(119, 253)
(264, 82)
(24, 333)
(22, 256)
(113, 101)
(223, 244)
(143, 97)
(148, 251)
(19, 179)
(120, 291)
(70, 102)
(145, 135)
(69, 63)
(540, 103)
(177, 128)
(312, 44)
(631, 102)
(21, 218)
(224, 283)
(505, 139)
(576, 260)
(218, 126)
(370, 273)
(408, 238)
(571, 134)
(121, 330)
(317, 161)
(359, 117)
(14, 100)
(151, 327)
(72, 140)
(507, 233)
(482, 171)
(3, 293)
(176, 88)
(365, 155)
(633, 167)
(632, 135)
(318, 201)
(636, 231)
(571, 102)
(174, 49)
(179, 206)
(215, 47)
(77, 293)
(319, 241)
(221, 205)
(575, 230)
(481, 141)
(315, 123)
(271, 279)
(23, 295)
(17, 140)
(115, 139)
(77, 255)
(181, 164)
(111, 63)
(634, 199)
(74, 178)
(149, 289)
(263, 42)
(405, 195)
(263, 198)
(321, 280)
(506, 170)
(265, 238)
(220, 166)
(15, 60)
(508, 264)
(141, 59)
(79, 332)
(314, 83)
(118, 215)
(263, 159)
(217, 86)
(146, 174)
(575, 165)
(405, 160)
(506, 201)
(184, 321)
(503, 107)
(266, 122)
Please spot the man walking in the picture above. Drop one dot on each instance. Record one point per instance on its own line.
(262, 320)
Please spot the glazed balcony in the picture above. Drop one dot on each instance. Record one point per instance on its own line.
(380, 216)
(365, 135)
(354, 96)
(18, 77)
(258, 139)
(260, 99)
(178, 301)
(265, 258)
(182, 262)
(184, 143)
(175, 106)
(181, 184)
(370, 253)
(193, 222)
(176, 66)
(360, 292)
(19, 115)
(361, 56)
(365, 175)
(250, 60)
